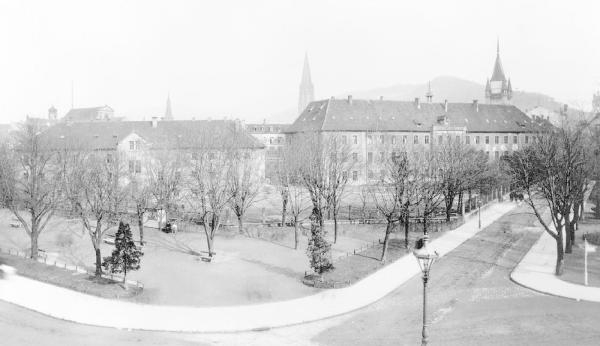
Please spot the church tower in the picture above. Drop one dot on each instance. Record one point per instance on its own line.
(307, 91)
(168, 111)
(498, 90)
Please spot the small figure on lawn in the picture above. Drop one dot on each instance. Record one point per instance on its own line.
(126, 256)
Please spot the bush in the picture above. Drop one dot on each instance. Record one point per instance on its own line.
(593, 238)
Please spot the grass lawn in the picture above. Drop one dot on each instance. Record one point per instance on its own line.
(574, 262)
(256, 267)
(100, 287)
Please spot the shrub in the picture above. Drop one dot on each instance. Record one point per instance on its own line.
(593, 238)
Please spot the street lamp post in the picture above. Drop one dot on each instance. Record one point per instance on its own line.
(425, 257)
(479, 211)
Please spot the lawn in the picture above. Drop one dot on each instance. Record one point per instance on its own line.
(255, 267)
(574, 262)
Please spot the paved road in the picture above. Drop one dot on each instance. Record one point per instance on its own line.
(472, 302)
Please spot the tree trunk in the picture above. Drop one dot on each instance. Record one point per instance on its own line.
(460, 203)
(296, 235)
(140, 215)
(406, 227)
(98, 262)
(559, 255)
(34, 243)
(240, 224)
(209, 244)
(568, 243)
(388, 230)
(335, 226)
(283, 211)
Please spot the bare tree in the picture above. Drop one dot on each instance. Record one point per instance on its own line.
(337, 168)
(165, 180)
(428, 179)
(282, 181)
(388, 194)
(299, 204)
(30, 181)
(140, 197)
(94, 183)
(210, 189)
(551, 173)
(243, 183)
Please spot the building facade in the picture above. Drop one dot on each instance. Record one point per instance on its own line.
(137, 143)
(272, 136)
(376, 129)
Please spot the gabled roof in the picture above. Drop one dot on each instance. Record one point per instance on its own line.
(175, 134)
(388, 115)
(85, 114)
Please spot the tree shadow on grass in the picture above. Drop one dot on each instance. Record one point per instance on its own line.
(176, 245)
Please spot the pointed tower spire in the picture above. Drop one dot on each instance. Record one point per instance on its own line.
(168, 111)
(307, 91)
(429, 94)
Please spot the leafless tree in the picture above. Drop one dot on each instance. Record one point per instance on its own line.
(94, 184)
(210, 189)
(551, 171)
(164, 174)
(388, 193)
(140, 196)
(243, 183)
(30, 181)
(337, 168)
(427, 177)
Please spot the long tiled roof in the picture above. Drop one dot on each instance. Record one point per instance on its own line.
(384, 115)
(183, 134)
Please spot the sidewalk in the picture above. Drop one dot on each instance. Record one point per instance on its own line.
(78, 307)
(536, 271)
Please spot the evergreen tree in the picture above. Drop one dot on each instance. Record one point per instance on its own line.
(126, 256)
(319, 249)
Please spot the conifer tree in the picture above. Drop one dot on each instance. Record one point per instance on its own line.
(126, 256)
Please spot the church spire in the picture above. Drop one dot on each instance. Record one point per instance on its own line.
(307, 91)
(498, 89)
(429, 94)
(168, 111)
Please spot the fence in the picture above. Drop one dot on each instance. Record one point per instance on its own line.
(75, 268)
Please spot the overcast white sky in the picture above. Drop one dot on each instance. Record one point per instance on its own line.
(243, 58)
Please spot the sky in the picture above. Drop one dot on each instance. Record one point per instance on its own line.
(243, 59)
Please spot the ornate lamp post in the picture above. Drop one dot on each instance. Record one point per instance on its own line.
(425, 257)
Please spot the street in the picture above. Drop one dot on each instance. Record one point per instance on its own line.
(471, 302)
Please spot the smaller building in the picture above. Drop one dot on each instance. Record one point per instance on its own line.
(102, 113)
(273, 137)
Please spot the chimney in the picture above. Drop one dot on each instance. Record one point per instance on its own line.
(446, 106)
(380, 98)
(350, 99)
(417, 103)
(476, 104)
(565, 108)
(154, 122)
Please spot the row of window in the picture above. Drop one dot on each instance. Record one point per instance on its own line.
(404, 139)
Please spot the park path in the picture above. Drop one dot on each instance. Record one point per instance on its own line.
(78, 307)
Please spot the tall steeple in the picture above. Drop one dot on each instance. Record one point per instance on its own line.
(168, 111)
(429, 94)
(498, 89)
(307, 91)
